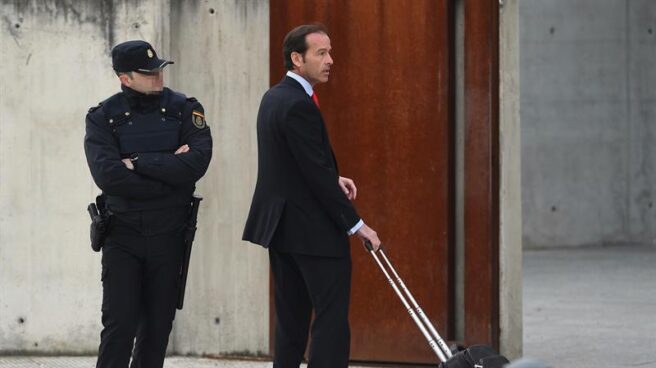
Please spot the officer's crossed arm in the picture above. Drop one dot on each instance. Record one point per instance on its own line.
(190, 161)
(130, 165)
(107, 170)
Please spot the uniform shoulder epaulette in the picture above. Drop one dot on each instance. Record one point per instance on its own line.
(96, 113)
(179, 98)
(116, 109)
(176, 96)
(94, 108)
(174, 102)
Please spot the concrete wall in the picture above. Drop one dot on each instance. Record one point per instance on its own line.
(54, 65)
(588, 112)
(225, 58)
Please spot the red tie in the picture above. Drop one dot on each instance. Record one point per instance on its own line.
(315, 99)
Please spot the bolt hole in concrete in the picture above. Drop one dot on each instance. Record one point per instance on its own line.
(217, 320)
(211, 10)
(21, 320)
(17, 25)
(136, 25)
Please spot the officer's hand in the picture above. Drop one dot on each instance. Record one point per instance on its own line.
(366, 233)
(184, 148)
(128, 163)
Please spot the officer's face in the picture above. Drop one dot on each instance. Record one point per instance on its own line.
(315, 65)
(151, 83)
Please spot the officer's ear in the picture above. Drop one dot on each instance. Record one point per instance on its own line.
(125, 78)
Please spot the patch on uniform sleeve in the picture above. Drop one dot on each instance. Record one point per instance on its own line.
(198, 119)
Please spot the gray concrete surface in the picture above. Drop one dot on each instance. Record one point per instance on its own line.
(221, 48)
(591, 307)
(510, 198)
(54, 65)
(588, 107)
(172, 362)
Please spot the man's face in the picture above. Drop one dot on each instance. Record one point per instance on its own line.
(151, 83)
(315, 65)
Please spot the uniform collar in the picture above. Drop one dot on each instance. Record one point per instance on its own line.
(141, 100)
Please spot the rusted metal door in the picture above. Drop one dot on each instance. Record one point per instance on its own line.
(388, 110)
(481, 291)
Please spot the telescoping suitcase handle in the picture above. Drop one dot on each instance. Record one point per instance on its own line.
(425, 326)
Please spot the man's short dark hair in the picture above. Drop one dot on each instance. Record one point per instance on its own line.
(295, 41)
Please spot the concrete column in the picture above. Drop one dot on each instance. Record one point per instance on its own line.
(510, 242)
(221, 49)
(54, 65)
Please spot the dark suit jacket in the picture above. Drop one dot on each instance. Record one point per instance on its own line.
(297, 197)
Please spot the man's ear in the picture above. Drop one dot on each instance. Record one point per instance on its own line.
(297, 59)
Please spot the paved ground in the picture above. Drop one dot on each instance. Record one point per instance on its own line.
(593, 307)
(583, 308)
(89, 362)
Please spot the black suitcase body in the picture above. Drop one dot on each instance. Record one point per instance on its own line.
(476, 356)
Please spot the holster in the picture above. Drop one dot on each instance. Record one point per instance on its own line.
(100, 218)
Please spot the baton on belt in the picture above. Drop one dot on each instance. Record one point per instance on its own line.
(189, 239)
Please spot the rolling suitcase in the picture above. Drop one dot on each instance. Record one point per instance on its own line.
(476, 356)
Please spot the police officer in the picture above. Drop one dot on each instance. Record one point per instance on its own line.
(146, 147)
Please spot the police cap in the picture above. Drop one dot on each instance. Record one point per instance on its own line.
(136, 56)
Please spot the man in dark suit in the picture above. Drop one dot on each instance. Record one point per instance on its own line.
(302, 210)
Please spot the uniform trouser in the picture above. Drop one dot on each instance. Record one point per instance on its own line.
(302, 283)
(140, 286)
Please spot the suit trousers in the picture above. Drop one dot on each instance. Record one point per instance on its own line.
(140, 288)
(304, 283)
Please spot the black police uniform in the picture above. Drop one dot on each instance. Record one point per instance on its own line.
(143, 250)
